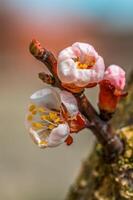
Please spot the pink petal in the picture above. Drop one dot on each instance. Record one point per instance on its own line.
(116, 75)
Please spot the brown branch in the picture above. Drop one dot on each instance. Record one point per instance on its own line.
(112, 144)
(47, 58)
(47, 78)
(98, 180)
(102, 130)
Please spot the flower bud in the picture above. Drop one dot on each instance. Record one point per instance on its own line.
(111, 90)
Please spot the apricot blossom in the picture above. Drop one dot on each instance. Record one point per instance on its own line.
(50, 115)
(79, 66)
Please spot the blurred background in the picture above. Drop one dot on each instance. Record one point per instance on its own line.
(27, 172)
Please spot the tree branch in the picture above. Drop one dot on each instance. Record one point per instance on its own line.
(106, 136)
(98, 180)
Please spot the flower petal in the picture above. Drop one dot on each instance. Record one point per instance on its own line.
(70, 102)
(58, 135)
(99, 68)
(83, 50)
(38, 137)
(85, 76)
(65, 54)
(47, 97)
(67, 71)
(116, 76)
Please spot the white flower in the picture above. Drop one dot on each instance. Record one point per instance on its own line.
(45, 122)
(80, 65)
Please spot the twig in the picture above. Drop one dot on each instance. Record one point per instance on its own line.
(112, 144)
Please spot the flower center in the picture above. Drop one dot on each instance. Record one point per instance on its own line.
(42, 118)
(87, 63)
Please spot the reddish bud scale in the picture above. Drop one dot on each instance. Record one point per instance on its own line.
(72, 88)
(90, 85)
(36, 48)
(69, 140)
(108, 97)
(46, 78)
(77, 124)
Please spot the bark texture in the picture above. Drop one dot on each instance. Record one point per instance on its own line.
(99, 180)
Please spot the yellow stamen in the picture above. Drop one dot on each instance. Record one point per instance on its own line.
(37, 125)
(43, 142)
(82, 66)
(53, 115)
(29, 117)
(57, 120)
(32, 107)
(44, 117)
(34, 112)
(51, 126)
(41, 109)
(85, 65)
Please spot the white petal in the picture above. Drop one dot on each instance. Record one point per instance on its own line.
(84, 77)
(34, 135)
(99, 67)
(47, 97)
(83, 50)
(65, 54)
(58, 135)
(70, 102)
(67, 71)
(37, 138)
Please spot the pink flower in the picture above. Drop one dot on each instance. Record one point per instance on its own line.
(80, 65)
(52, 116)
(111, 88)
(116, 76)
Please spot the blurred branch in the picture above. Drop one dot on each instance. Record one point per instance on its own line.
(101, 181)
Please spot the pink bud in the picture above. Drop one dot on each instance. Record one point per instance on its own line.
(116, 76)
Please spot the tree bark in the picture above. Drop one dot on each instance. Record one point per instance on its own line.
(99, 180)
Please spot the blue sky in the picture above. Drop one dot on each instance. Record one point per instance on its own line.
(113, 11)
